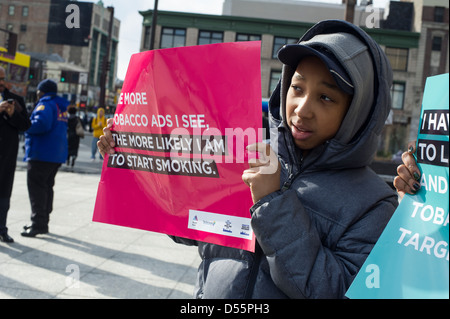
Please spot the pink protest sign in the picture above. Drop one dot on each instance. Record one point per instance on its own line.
(183, 120)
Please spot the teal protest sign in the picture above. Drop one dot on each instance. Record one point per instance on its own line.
(411, 257)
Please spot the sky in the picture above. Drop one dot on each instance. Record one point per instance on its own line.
(127, 12)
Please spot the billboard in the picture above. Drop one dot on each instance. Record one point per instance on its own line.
(69, 23)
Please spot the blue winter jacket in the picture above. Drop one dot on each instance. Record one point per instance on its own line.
(46, 139)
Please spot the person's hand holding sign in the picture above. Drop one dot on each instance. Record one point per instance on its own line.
(263, 176)
(106, 142)
(408, 177)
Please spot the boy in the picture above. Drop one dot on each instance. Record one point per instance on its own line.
(319, 215)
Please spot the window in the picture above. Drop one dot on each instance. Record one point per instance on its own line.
(274, 78)
(436, 44)
(11, 10)
(97, 20)
(248, 37)
(398, 95)
(23, 28)
(278, 42)
(398, 58)
(25, 11)
(147, 37)
(173, 38)
(439, 14)
(210, 37)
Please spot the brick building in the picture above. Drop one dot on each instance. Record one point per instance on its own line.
(45, 32)
(184, 29)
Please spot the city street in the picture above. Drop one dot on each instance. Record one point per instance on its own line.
(82, 259)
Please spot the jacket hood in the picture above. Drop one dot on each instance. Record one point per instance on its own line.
(100, 109)
(356, 141)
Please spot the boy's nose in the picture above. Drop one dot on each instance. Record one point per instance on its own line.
(303, 108)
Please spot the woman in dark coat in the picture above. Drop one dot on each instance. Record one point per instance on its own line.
(72, 137)
(13, 119)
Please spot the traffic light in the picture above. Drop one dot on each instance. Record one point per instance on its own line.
(32, 74)
(63, 76)
(69, 77)
(11, 44)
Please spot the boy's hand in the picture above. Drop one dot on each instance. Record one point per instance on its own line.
(263, 176)
(408, 177)
(106, 142)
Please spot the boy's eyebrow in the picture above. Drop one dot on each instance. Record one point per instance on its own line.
(331, 86)
(299, 76)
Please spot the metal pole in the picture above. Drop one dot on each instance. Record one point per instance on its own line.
(105, 61)
(350, 10)
(154, 18)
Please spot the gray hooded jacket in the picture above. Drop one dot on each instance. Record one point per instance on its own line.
(314, 234)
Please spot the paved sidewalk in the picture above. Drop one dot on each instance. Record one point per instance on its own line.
(82, 259)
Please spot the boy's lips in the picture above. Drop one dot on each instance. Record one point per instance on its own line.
(300, 132)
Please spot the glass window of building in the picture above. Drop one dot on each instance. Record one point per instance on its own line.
(11, 10)
(278, 42)
(274, 78)
(147, 37)
(439, 14)
(173, 38)
(209, 37)
(398, 58)
(436, 44)
(248, 37)
(398, 95)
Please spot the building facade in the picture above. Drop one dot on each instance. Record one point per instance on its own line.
(176, 29)
(67, 41)
(432, 22)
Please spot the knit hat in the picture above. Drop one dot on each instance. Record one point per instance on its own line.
(47, 86)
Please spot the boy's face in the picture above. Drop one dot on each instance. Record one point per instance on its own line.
(315, 105)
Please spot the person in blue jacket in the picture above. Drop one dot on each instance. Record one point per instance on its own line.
(45, 150)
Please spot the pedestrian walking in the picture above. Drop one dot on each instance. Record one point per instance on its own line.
(13, 120)
(98, 123)
(45, 150)
(75, 131)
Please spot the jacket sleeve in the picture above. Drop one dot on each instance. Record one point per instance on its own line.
(300, 265)
(42, 119)
(184, 241)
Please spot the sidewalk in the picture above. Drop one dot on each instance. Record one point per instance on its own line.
(82, 259)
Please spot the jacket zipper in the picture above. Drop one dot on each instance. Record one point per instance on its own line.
(287, 184)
